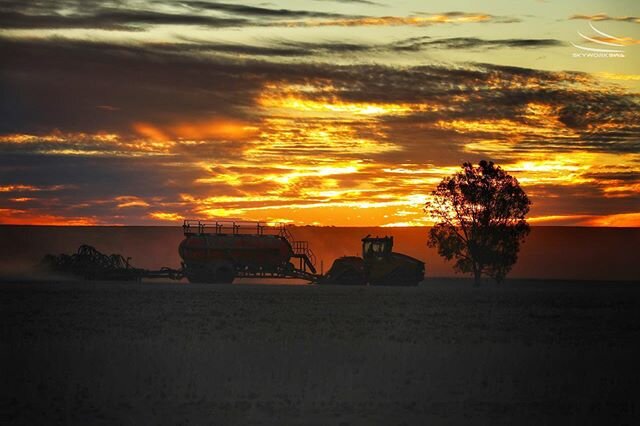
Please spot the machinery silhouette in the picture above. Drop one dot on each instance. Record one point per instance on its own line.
(221, 251)
(90, 264)
(379, 265)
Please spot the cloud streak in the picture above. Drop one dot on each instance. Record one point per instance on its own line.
(424, 43)
(420, 20)
(254, 11)
(606, 17)
(51, 15)
(127, 20)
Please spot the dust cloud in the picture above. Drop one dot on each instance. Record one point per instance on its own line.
(548, 253)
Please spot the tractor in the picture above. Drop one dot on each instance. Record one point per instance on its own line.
(379, 265)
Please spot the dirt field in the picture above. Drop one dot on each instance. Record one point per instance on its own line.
(444, 353)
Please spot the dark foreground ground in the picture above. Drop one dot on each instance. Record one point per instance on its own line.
(444, 353)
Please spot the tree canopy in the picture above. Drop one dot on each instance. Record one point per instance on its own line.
(480, 220)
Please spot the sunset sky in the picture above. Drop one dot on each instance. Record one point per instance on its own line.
(314, 112)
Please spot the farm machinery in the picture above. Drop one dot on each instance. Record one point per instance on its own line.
(90, 264)
(379, 265)
(221, 251)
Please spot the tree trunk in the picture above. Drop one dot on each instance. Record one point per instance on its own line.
(477, 275)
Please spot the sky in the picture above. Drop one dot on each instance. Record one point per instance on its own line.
(317, 112)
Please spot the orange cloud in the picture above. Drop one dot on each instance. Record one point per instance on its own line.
(130, 201)
(625, 41)
(450, 18)
(57, 136)
(297, 100)
(605, 17)
(323, 156)
(150, 131)
(166, 217)
(550, 220)
(30, 188)
(13, 188)
(196, 130)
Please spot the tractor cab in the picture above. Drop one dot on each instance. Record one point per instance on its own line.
(377, 247)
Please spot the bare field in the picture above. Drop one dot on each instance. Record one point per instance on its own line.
(527, 352)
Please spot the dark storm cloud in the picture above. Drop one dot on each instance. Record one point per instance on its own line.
(328, 47)
(631, 176)
(246, 10)
(193, 46)
(128, 20)
(97, 174)
(599, 142)
(118, 16)
(60, 84)
(102, 178)
(91, 186)
(68, 80)
(273, 49)
(287, 48)
(424, 43)
(121, 16)
(49, 5)
(371, 3)
(298, 48)
(580, 199)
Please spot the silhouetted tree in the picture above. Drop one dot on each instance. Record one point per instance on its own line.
(480, 220)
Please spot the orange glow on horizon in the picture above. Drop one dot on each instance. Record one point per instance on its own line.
(615, 220)
(25, 217)
(623, 220)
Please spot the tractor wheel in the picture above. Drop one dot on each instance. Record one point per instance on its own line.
(350, 277)
(347, 270)
(215, 273)
(197, 274)
(225, 273)
(399, 277)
